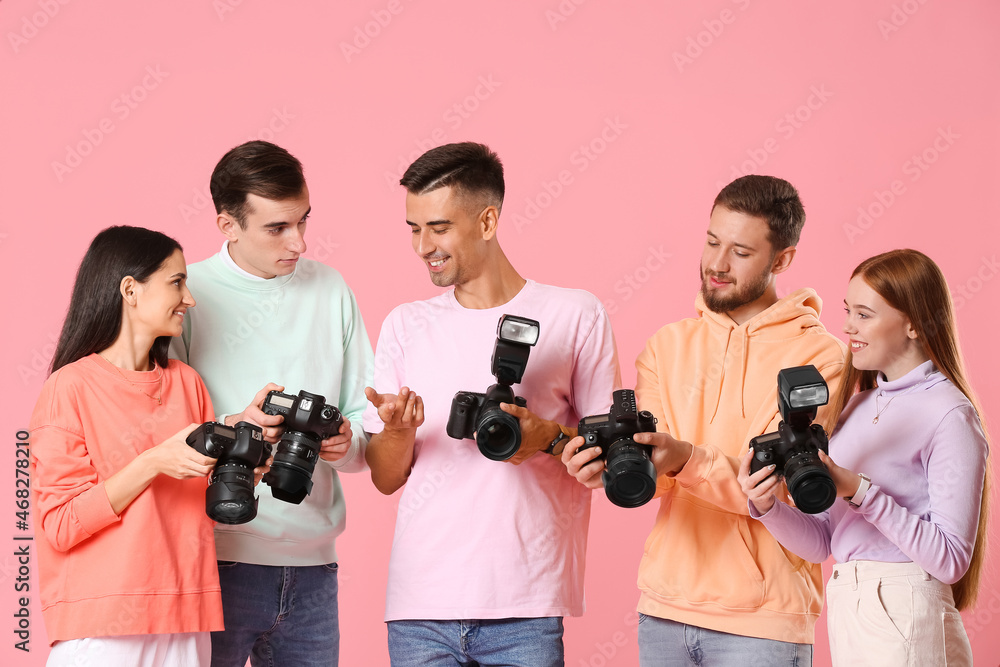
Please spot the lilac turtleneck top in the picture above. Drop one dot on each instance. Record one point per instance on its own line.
(926, 457)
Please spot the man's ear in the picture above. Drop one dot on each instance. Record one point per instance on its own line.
(228, 225)
(488, 221)
(127, 288)
(783, 260)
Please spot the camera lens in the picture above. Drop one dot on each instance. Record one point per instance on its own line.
(629, 476)
(290, 476)
(229, 498)
(498, 434)
(809, 483)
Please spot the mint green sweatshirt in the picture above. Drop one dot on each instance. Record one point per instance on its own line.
(301, 331)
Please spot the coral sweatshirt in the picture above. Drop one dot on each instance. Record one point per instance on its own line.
(151, 569)
(714, 384)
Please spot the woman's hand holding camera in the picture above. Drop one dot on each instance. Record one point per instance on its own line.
(759, 486)
(847, 481)
(175, 458)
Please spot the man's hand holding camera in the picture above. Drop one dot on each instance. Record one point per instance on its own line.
(270, 425)
(336, 447)
(669, 454)
(618, 451)
(536, 433)
(586, 464)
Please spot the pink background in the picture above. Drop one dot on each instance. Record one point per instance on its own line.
(671, 98)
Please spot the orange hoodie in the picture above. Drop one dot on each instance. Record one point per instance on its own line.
(714, 384)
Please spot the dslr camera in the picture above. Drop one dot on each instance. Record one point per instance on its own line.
(308, 421)
(497, 433)
(794, 447)
(238, 450)
(629, 476)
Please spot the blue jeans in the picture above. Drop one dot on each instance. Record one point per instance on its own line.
(664, 643)
(511, 642)
(277, 616)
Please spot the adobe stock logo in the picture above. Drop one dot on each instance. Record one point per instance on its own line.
(899, 17)
(31, 25)
(786, 126)
(452, 119)
(37, 365)
(366, 33)
(965, 291)
(562, 12)
(914, 167)
(223, 7)
(201, 198)
(698, 43)
(581, 158)
(121, 108)
(636, 278)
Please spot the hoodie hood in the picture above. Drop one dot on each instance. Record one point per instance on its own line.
(786, 318)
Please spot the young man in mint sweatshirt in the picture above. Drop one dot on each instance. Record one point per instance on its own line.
(270, 318)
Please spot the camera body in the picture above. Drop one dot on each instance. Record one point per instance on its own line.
(305, 413)
(794, 448)
(238, 450)
(308, 420)
(629, 476)
(497, 434)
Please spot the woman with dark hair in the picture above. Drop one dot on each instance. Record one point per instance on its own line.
(127, 564)
(909, 540)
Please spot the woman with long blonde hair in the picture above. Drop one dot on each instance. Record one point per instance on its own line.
(911, 465)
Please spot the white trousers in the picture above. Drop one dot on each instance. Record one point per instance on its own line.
(189, 649)
(893, 614)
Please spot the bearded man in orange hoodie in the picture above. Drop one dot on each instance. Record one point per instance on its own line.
(715, 587)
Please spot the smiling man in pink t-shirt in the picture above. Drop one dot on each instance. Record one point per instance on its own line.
(487, 556)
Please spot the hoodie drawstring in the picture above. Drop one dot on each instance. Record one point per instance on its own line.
(799, 309)
(722, 376)
(743, 371)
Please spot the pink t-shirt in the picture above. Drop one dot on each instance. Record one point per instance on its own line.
(483, 539)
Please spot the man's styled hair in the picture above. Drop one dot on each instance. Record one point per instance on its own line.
(772, 199)
(472, 169)
(259, 168)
